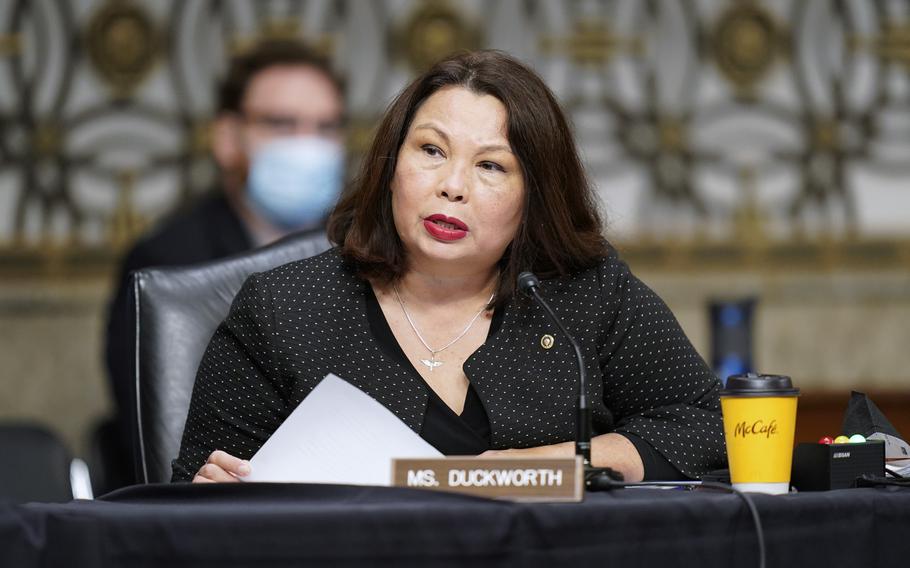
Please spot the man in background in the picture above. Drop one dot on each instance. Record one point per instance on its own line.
(277, 142)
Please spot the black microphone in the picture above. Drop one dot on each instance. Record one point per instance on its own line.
(595, 478)
(529, 284)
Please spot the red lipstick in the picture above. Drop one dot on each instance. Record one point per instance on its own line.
(445, 228)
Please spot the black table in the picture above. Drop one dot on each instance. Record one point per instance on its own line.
(295, 525)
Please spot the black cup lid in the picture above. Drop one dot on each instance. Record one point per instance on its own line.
(752, 384)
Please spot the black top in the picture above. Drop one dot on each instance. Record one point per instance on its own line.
(291, 326)
(469, 433)
(452, 434)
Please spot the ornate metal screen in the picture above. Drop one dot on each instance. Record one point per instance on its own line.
(715, 130)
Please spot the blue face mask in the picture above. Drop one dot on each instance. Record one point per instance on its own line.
(294, 182)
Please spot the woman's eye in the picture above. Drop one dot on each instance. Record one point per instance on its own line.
(492, 167)
(431, 150)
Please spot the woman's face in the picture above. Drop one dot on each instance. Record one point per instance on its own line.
(458, 189)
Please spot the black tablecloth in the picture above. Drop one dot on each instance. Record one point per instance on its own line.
(294, 525)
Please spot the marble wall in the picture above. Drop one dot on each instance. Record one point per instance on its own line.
(51, 355)
(748, 125)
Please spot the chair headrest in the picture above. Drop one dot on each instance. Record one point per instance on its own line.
(176, 311)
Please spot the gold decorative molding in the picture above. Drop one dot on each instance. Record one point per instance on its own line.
(657, 131)
(592, 43)
(749, 219)
(434, 30)
(892, 45)
(360, 133)
(280, 28)
(199, 138)
(273, 29)
(46, 139)
(826, 135)
(810, 255)
(126, 224)
(747, 41)
(672, 134)
(56, 263)
(683, 256)
(10, 44)
(123, 45)
(895, 43)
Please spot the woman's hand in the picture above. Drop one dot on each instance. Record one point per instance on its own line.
(607, 450)
(564, 450)
(222, 467)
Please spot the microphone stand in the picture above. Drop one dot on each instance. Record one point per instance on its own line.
(596, 478)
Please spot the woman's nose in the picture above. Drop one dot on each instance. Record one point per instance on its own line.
(453, 186)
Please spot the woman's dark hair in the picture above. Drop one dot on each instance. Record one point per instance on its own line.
(560, 231)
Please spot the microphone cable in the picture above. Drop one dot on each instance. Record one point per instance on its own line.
(867, 480)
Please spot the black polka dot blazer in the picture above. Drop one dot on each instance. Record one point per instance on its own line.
(291, 326)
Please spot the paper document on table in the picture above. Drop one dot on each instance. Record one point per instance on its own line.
(338, 434)
(897, 453)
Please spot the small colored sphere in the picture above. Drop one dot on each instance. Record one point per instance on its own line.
(826, 440)
(842, 440)
(857, 439)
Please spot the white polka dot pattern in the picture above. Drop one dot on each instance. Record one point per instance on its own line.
(291, 326)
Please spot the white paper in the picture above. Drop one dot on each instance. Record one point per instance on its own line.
(895, 448)
(338, 434)
(897, 453)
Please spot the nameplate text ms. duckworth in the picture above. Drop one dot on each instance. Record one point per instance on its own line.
(518, 479)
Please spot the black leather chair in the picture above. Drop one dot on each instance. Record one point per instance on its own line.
(176, 311)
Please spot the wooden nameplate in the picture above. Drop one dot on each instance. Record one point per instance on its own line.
(513, 478)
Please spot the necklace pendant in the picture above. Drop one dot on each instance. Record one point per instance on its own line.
(432, 363)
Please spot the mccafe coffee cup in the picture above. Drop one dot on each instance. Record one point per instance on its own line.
(759, 422)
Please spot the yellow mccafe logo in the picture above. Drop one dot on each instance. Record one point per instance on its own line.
(757, 428)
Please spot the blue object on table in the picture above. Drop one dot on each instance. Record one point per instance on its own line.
(731, 337)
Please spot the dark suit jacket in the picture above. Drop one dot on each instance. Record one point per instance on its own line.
(291, 326)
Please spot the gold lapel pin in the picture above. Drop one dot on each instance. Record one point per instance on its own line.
(547, 341)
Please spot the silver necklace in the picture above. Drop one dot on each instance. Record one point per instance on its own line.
(432, 362)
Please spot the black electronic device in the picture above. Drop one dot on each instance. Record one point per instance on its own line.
(717, 476)
(820, 467)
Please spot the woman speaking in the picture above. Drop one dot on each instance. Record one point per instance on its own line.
(472, 178)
